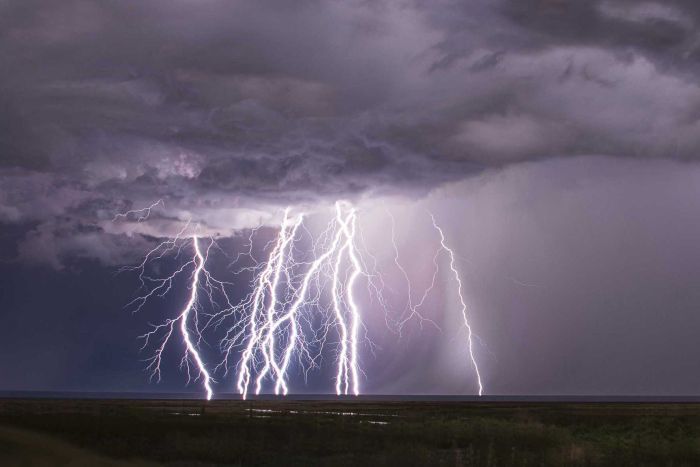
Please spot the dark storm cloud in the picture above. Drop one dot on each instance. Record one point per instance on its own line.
(216, 105)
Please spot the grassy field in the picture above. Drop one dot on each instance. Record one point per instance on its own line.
(304, 433)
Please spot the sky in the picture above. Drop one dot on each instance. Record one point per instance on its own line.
(555, 141)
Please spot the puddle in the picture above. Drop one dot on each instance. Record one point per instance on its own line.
(348, 414)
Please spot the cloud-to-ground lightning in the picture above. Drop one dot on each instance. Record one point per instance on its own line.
(282, 326)
(463, 304)
(345, 362)
(185, 315)
(187, 318)
(303, 299)
(261, 336)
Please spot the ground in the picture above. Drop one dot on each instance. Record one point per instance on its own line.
(305, 433)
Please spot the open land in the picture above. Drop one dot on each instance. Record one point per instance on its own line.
(352, 432)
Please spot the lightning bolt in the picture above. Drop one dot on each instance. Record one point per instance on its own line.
(280, 323)
(349, 227)
(299, 301)
(187, 318)
(139, 214)
(462, 302)
(184, 316)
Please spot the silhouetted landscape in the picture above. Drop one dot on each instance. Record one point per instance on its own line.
(305, 432)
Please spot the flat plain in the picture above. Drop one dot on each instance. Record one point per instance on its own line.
(347, 432)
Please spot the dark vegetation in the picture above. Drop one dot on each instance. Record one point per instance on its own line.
(349, 433)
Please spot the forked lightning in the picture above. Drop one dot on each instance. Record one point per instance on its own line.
(302, 301)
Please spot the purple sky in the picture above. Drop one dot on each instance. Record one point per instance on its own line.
(555, 140)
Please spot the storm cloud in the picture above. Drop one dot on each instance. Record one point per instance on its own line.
(226, 109)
